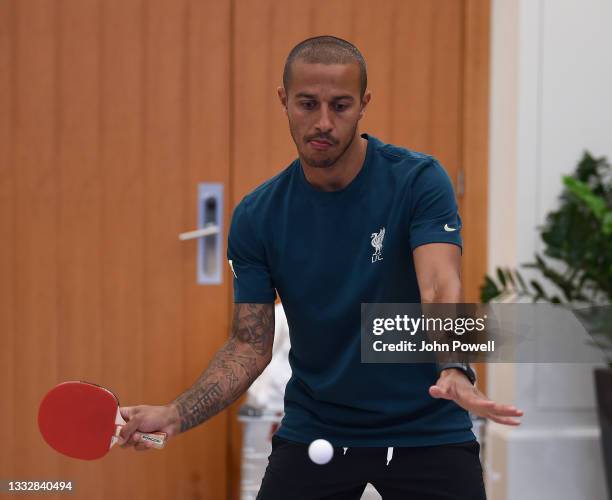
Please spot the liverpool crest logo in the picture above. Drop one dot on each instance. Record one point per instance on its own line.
(377, 243)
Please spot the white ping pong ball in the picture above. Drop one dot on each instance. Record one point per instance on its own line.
(320, 451)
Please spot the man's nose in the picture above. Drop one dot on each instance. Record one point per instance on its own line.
(324, 123)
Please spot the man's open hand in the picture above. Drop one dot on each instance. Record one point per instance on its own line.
(455, 386)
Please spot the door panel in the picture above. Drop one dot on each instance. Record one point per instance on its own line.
(112, 120)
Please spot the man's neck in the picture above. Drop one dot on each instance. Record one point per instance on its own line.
(341, 173)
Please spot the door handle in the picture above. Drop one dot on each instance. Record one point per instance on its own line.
(198, 233)
(209, 233)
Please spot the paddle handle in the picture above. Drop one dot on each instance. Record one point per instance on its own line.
(157, 440)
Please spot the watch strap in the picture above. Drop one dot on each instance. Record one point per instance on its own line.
(464, 367)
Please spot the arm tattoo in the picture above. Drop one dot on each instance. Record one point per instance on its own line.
(253, 324)
(234, 368)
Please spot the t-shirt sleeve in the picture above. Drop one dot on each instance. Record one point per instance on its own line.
(434, 212)
(247, 259)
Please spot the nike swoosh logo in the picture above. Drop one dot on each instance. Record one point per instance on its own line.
(446, 228)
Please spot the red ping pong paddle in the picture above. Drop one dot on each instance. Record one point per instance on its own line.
(82, 420)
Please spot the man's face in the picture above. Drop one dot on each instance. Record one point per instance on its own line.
(323, 106)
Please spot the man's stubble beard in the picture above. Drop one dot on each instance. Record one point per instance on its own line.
(326, 162)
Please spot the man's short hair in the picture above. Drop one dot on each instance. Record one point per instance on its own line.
(326, 50)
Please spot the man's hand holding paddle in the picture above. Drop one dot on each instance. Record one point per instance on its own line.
(146, 418)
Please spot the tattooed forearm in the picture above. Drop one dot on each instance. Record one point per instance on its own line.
(233, 369)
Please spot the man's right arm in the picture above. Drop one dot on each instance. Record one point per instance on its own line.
(229, 374)
(233, 369)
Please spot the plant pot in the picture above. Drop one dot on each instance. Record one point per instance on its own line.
(603, 389)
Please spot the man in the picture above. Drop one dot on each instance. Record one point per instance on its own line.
(351, 221)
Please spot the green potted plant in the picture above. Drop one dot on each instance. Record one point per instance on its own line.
(577, 262)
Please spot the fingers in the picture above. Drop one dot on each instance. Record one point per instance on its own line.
(140, 444)
(126, 412)
(504, 420)
(471, 399)
(505, 414)
(502, 414)
(506, 411)
(477, 403)
(493, 408)
(126, 434)
(138, 419)
(137, 443)
(438, 393)
(442, 389)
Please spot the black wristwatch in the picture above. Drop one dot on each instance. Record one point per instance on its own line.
(464, 367)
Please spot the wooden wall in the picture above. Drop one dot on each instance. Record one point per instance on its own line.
(111, 112)
(109, 120)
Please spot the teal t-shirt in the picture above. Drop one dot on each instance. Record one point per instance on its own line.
(326, 253)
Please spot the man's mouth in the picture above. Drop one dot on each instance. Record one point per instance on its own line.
(320, 144)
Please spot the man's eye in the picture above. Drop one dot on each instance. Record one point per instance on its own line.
(341, 107)
(308, 104)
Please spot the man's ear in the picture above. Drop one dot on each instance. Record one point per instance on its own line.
(364, 103)
(282, 96)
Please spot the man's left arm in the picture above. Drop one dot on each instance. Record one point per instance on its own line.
(437, 268)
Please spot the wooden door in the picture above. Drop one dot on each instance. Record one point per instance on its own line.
(110, 115)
